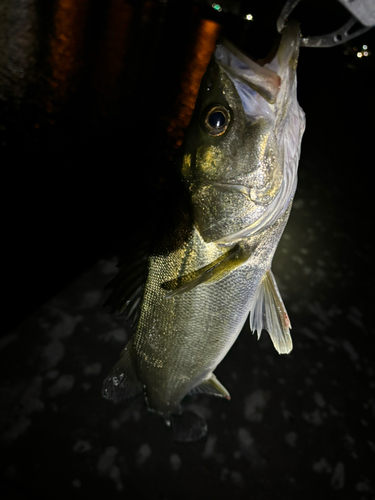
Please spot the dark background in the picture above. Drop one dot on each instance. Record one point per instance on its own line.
(87, 92)
(94, 100)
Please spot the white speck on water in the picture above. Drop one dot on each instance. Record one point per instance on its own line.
(93, 369)
(136, 415)
(364, 487)
(66, 326)
(109, 266)
(54, 352)
(319, 400)
(349, 441)
(175, 461)
(236, 477)
(298, 259)
(308, 333)
(255, 405)
(29, 402)
(314, 418)
(224, 474)
(285, 412)
(124, 417)
(143, 454)
(322, 466)
(355, 317)
(52, 374)
(291, 439)
(245, 438)
(338, 476)
(209, 449)
(8, 339)
(298, 203)
(106, 465)
(319, 275)
(106, 459)
(76, 483)
(18, 428)
(82, 446)
(248, 450)
(320, 313)
(115, 475)
(353, 355)
(118, 334)
(62, 385)
(90, 299)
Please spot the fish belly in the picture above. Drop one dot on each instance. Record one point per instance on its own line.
(180, 340)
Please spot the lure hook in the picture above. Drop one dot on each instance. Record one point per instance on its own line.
(337, 37)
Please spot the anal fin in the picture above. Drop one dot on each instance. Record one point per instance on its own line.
(211, 386)
(122, 382)
(268, 313)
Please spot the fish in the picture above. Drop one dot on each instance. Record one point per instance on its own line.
(188, 298)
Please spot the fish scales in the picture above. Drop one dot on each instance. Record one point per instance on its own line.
(191, 347)
(239, 165)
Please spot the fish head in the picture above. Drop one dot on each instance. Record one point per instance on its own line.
(233, 156)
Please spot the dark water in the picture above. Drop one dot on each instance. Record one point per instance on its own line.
(94, 100)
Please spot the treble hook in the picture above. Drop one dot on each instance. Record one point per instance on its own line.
(337, 37)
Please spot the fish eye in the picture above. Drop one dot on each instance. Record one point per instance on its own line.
(216, 120)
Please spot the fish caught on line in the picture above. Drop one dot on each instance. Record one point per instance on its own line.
(239, 164)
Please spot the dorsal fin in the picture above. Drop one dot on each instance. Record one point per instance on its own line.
(268, 313)
(212, 386)
(127, 288)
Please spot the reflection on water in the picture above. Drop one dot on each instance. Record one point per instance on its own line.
(111, 54)
(86, 87)
(204, 45)
(66, 46)
(18, 47)
(116, 59)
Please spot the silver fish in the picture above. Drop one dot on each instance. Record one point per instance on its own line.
(239, 163)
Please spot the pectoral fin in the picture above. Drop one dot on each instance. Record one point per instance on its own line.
(214, 271)
(268, 313)
(211, 386)
(122, 382)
